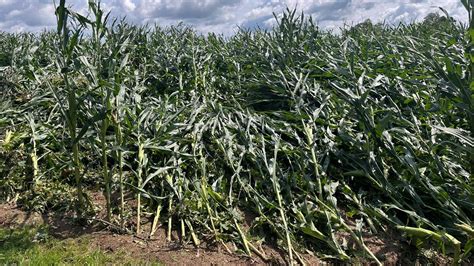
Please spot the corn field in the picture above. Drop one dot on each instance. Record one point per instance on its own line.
(287, 136)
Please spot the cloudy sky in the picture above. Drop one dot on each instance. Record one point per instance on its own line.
(224, 16)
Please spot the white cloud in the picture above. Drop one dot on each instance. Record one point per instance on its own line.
(389, 11)
(128, 5)
(224, 15)
(26, 15)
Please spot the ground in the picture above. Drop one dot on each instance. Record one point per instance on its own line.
(32, 238)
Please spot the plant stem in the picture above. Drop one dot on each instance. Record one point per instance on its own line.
(170, 218)
(141, 155)
(105, 170)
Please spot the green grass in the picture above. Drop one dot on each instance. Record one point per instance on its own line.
(34, 246)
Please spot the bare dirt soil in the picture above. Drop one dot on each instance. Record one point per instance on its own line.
(388, 247)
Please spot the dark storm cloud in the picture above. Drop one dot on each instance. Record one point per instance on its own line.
(185, 9)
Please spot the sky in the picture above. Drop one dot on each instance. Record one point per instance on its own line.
(224, 16)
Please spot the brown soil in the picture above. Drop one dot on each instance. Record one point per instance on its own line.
(388, 247)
